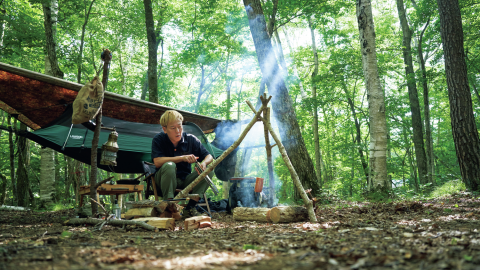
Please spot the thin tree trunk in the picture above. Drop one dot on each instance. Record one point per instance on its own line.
(152, 52)
(80, 54)
(2, 26)
(376, 100)
(3, 188)
(123, 71)
(417, 124)
(358, 136)
(465, 133)
(281, 103)
(426, 111)
(52, 68)
(47, 176)
(23, 183)
(144, 87)
(11, 147)
(315, 106)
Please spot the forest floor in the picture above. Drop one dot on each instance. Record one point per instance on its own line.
(436, 234)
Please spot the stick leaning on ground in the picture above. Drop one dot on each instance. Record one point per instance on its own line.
(214, 164)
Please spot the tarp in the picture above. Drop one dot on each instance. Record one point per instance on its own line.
(134, 141)
(37, 99)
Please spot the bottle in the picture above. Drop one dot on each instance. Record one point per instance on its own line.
(117, 211)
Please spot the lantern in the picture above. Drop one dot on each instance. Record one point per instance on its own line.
(109, 150)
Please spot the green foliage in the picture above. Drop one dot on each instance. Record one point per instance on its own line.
(448, 188)
(248, 246)
(66, 234)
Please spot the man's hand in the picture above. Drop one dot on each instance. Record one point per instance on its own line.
(203, 165)
(190, 158)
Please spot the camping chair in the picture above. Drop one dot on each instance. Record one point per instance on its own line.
(150, 170)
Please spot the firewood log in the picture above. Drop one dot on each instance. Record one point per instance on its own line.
(251, 214)
(161, 223)
(283, 214)
(194, 222)
(141, 212)
(205, 224)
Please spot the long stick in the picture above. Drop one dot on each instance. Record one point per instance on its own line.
(286, 159)
(268, 148)
(96, 135)
(212, 166)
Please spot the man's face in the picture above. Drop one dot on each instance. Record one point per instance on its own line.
(174, 131)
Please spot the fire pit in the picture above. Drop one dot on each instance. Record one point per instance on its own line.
(246, 192)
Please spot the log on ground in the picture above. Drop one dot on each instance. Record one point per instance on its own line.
(141, 212)
(161, 223)
(114, 222)
(251, 214)
(284, 214)
(197, 222)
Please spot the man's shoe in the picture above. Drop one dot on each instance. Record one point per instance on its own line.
(192, 212)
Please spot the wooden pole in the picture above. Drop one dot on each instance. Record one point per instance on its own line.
(96, 135)
(212, 166)
(286, 159)
(268, 148)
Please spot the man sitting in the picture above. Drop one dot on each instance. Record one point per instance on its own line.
(173, 152)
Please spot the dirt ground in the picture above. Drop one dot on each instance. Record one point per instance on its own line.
(439, 234)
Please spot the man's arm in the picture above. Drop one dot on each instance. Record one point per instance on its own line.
(207, 160)
(159, 161)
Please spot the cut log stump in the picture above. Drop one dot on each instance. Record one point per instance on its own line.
(284, 214)
(197, 222)
(161, 223)
(252, 214)
(141, 212)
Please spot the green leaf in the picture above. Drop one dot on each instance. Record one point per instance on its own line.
(467, 258)
(247, 246)
(66, 234)
(454, 241)
(456, 205)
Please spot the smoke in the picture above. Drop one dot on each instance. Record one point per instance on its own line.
(227, 133)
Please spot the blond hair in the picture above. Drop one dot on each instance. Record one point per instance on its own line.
(169, 116)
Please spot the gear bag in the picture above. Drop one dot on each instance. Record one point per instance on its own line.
(88, 102)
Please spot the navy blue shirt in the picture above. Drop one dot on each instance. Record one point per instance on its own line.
(163, 147)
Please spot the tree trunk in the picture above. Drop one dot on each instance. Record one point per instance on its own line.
(152, 52)
(52, 68)
(23, 183)
(465, 134)
(376, 100)
(413, 95)
(144, 87)
(358, 136)
(426, 111)
(47, 176)
(11, 147)
(80, 54)
(281, 102)
(3, 188)
(69, 178)
(2, 26)
(315, 106)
